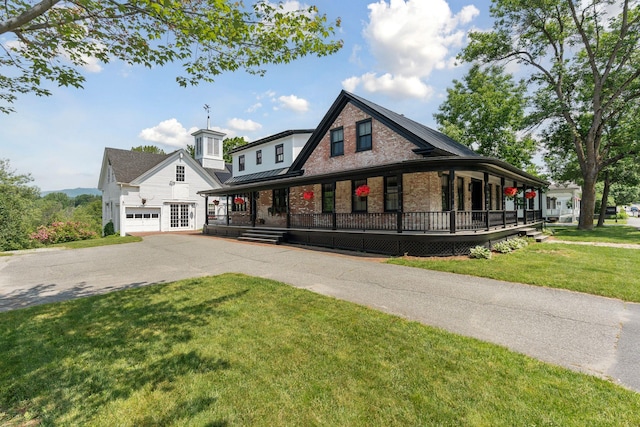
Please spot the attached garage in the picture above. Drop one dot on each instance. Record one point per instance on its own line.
(142, 219)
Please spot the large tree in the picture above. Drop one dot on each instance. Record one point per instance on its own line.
(153, 149)
(228, 144)
(16, 202)
(486, 111)
(52, 39)
(584, 59)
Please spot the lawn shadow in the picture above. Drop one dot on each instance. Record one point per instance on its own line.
(51, 293)
(92, 351)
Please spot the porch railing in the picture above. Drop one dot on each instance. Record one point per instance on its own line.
(410, 221)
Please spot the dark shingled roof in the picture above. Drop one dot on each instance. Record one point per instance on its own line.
(127, 165)
(438, 140)
(221, 175)
(428, 142)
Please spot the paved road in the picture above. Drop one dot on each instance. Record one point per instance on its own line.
(600, 336)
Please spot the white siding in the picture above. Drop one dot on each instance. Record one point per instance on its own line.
(292, 146)
(156, 193)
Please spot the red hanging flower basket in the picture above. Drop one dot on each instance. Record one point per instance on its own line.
(363, 191)
(307, 195)
(238, 201)
(530, 194)
(510, 191)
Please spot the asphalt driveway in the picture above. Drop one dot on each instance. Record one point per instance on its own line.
(596, 335)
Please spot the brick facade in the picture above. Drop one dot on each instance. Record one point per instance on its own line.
(387, 146)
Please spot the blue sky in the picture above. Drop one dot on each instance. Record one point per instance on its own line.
(399, 54)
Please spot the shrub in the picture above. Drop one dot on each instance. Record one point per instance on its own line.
(517, 243)
(480, 252)
(61, 232)
(109, 229)
(502, 247)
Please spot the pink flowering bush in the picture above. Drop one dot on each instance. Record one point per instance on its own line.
(61, 232)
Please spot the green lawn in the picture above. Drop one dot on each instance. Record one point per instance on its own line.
(597, 270)
(608, 234)
(103, 241)
(234, 350)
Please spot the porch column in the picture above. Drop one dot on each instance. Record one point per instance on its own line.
(228, 212)
(515, 202)
(452, 201)
(540, 202)
(334, 215)
(487, 196)
(254, 208)
(286, 192)
(524, 204)
(206, 210)
(400, 208)
(504, 204)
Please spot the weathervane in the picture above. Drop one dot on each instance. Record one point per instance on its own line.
(207, 108)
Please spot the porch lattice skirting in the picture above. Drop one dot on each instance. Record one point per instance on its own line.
(387, 242)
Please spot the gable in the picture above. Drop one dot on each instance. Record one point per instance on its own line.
(387, 146)
(424, 141)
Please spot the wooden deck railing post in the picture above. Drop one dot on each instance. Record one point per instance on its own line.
(452, 202)
(400, 207)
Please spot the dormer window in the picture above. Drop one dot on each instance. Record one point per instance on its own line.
(259, 157)
(241, 163)
(179, 173)
(279, 153)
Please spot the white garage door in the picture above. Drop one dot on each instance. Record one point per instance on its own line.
(142, 219)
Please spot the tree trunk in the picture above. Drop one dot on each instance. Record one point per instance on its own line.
(604, 202)
(588, 204)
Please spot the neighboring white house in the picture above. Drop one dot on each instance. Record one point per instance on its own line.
(144, 192)
(562, 203)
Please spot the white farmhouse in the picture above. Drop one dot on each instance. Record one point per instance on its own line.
(144, 192)
(562, 203)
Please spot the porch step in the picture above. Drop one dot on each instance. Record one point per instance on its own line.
(534, 234)
(263, 236)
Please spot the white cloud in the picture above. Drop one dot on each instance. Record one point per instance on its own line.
(415, 37)
(294, 103)
(409, 39)
(254, 107)
(393, 86)
(169, 132)
(244, 125)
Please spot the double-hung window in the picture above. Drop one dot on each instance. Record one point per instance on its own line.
(179, 173)
(241, 163)
(259, 157)
(337, 142)
(279, 200)
(391, 193)
(460, 205)
(328, 195)
(363, 135)
(359, 204)
(279, 153)
(444, 185)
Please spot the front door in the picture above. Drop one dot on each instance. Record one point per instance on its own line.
(179, 215)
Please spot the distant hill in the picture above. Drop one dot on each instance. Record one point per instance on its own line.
(73, 192)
